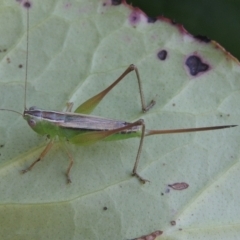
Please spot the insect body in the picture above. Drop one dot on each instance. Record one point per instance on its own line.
(83, 129)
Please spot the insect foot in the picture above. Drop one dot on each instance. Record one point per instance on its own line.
(142, 180)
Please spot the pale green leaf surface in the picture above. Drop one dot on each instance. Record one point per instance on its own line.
(78, 48)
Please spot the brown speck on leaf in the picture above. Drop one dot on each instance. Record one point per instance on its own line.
(8, 60)
(173, 223)
(179, 186)
(20, 65)
(151, 236)
(105, 208)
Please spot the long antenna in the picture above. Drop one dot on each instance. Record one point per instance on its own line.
(9, 110)
(26, 5)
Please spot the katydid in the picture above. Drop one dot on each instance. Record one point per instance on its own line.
(82, 129)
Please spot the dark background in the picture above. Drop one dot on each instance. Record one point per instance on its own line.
(217, 19)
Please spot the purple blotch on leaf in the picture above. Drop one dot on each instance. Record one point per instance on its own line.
(116, 2)
(162, 54)
(134, 17)
(27, 4)
(202, 38)
(195, 65)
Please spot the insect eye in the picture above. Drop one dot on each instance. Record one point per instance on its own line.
(32, 123)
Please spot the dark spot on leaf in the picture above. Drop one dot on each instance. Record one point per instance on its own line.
(173, 223)
(174, 104)
(4, 50)
(179, 186)
(162, 54)
(180, 229)
(27, 4)
(167, 190)
(202, 38)
(105, 208)
(162, 194)
(151, 19)
(8, 60)
(195, 65)
(20, 65)
(116, 2)
(2, 145)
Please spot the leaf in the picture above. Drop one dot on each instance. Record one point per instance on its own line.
(78, 48)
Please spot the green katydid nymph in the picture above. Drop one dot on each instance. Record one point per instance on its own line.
(82, 129)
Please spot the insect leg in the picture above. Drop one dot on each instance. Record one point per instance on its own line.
(88, 106)
(134, 171)
(69, 166)
(70, 162)
(94, 136)
(42, 155)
